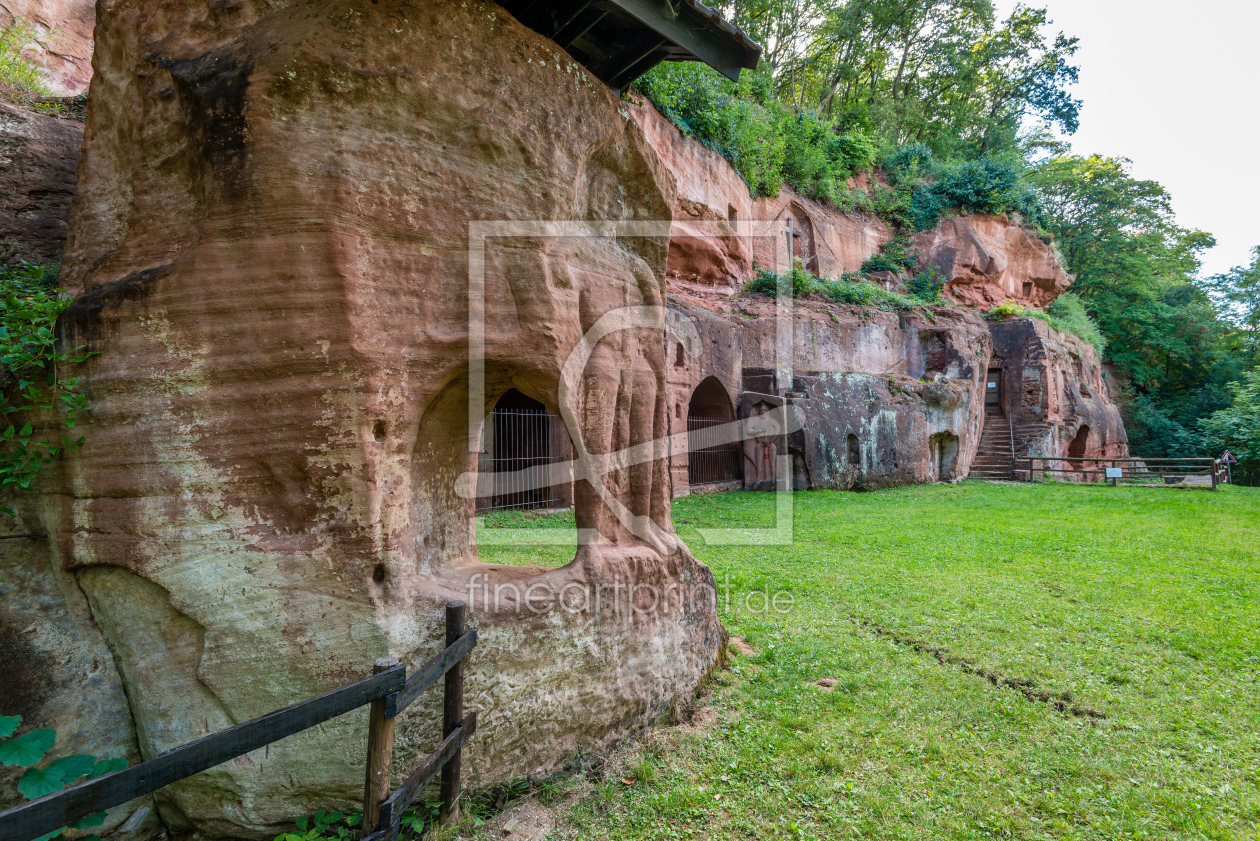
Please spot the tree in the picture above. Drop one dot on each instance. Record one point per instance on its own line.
(1240, 288)
(1136, 272)
(1237, 428)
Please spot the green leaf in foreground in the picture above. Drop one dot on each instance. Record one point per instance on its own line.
(27, 749)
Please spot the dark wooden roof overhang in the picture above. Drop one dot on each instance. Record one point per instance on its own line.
(618, 41)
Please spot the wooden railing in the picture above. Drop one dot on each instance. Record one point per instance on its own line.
(388, 691)
(1132, 471)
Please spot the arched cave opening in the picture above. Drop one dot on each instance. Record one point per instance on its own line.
(855, 450)
(519, 435)
(1080, 444)
(710, 460)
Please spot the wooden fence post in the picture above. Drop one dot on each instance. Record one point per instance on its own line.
(452, 713)
(380, 753)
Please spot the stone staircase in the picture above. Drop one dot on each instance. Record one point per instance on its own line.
(994, 458)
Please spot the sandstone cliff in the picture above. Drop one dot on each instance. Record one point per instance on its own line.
(887, 399)
(64, 46)
(39, 160)
(988, 260)
(270, 248)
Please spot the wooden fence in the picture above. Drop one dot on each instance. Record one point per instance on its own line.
(389, 691)
(1203, 472)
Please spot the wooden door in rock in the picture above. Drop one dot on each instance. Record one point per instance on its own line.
(993, 392)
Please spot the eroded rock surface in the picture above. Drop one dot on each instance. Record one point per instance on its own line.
(987, 260)
(887, 399)
(1058, 397)
(270, 249)
(64, 47)
(39, 159)
(721, 230)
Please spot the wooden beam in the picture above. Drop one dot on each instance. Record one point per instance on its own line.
(452, 714)
(380, 753)
(436, 669)
(393, 808)
(698, 37)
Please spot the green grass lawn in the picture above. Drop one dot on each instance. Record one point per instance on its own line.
(1140, 604)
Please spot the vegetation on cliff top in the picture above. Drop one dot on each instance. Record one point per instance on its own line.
(953, 108)
(23, 81)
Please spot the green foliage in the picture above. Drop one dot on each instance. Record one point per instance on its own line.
(895, 256)
(797, 283)
(852, 289)
(1237, 428)
(1135, 272)
(927, 286)
(947, 74)
(38, 401)
(1239, 288)
(765, 141)
(28, 751)
(860, 292)
(17, 73)
(983, 186)
(323, 825)
(1069, 313)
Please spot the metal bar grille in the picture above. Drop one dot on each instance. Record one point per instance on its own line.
(710, 463)
(518, 440)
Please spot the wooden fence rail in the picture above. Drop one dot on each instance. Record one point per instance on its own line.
(1163, 471)
(388, 691)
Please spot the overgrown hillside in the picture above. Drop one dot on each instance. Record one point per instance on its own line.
(954, 110)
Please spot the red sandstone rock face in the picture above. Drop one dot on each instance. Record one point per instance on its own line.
(711, 191)
(65, 44)
(271, 251)
(991, 259)
(1058, 398)
(39, 159)
(887, 399)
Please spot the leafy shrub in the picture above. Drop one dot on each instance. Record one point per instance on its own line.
(16, 73)
(33, 388)
(798, 282)
(861, 292)
(1068, 316)
(896, 256)
(762, 138)
(911, 164)
(28, 751)
(926, 286)
(1069, 313)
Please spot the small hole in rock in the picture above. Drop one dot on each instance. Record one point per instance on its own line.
(378, 432)
(378, 574)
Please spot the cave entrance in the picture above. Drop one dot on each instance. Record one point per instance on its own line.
(993, 392)
(521, 433)
(710, 462)
(943, 451)
(1080, 444)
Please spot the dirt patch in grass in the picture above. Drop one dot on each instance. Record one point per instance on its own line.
(1061, 700)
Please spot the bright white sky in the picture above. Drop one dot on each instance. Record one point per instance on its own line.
(1174, 85)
